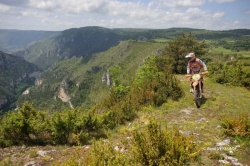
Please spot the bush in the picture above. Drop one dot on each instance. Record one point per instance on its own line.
(236, 126)
(155, 82)
(163, 147)
(61, 126)
(152, 147)
(229, 73)
(26, 126)
(104, 154)
(73, 127)
(29, 126)
(153, 85)
(119, 113)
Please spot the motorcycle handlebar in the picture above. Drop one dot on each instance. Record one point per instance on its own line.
(202, 73)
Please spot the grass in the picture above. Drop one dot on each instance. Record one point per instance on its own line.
(219, 50)
(163, 40)
(204, 123)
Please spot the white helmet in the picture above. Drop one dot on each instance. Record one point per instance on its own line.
(190, 55)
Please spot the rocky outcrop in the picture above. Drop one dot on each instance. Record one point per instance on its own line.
(106, 78)
(62, 94)
(38, 81)
(26, 92)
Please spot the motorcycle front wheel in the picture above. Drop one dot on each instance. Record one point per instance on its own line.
(197, 98)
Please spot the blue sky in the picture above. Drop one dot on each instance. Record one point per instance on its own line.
(156, 14)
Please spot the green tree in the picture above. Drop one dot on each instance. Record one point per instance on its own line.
(179, 47)
(155, 82)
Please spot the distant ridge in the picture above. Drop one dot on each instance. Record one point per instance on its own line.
(14, 40)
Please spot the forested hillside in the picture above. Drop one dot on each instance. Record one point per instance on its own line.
(16, 75)
(87, 83)
(81, 42)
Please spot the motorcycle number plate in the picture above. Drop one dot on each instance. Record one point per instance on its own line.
(196, 77)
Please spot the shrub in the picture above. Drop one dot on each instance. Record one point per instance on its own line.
(104, 154)
(153, 85)
(62, 125)
(229, 73)
(73, 127)
(119, 113)
(29, 126)
(236, 126)
(155, 82)
(152, 147)
(26, 126)
(162, 147)
(80, 138)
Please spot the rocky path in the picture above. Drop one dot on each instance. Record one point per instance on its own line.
(40, 155)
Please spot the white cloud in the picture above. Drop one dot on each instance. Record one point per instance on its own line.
(176, 3)
(70, 6)
(222, 1)
(218, 15)
(62, 14)
(113, 13)
(34, 14)
(4, 8)
(29, 13)
(194, 11)
(43, 4)
(79, 6)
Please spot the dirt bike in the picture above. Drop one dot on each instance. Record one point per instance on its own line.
(197, 87)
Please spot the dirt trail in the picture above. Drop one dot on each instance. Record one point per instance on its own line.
(204, 124)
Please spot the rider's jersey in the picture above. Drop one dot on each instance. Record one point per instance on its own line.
(196, 66)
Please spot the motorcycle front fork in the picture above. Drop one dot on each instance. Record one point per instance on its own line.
(198, 88)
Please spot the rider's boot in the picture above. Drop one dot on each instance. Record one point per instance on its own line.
(202, 87)
(191, 88)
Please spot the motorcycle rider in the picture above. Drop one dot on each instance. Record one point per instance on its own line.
(195, 66)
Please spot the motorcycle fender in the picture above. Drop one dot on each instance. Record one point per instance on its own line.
(195, 83)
